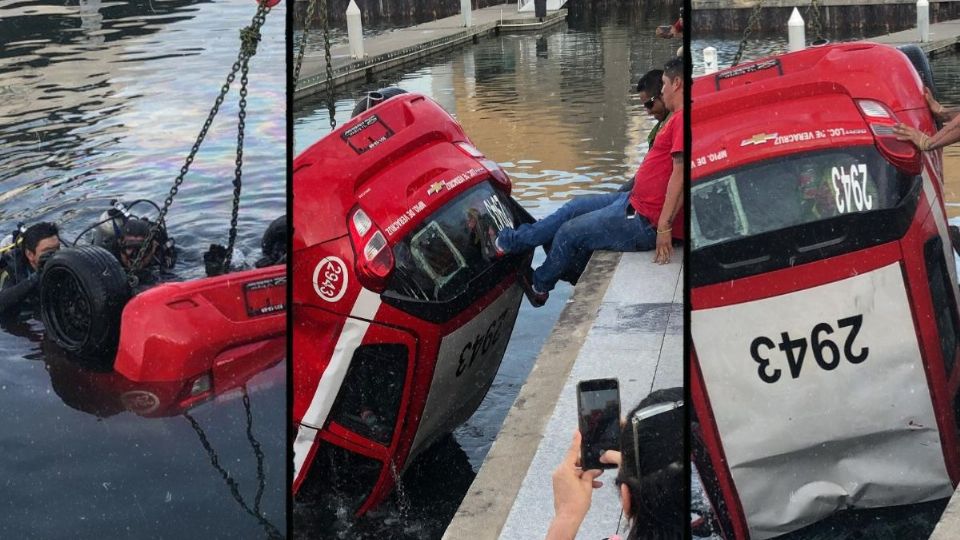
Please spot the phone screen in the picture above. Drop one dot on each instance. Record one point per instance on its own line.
(599, 410)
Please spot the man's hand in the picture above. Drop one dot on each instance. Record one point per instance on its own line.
(935, 107)
(42, 260)
(214, 259)
(612, 457)
(907, 133)
(664, 246)
(572, 493)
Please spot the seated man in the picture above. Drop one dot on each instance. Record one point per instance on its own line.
(647, 218)
(650, 90)
(20, 267)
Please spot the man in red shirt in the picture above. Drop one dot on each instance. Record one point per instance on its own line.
(647, 218)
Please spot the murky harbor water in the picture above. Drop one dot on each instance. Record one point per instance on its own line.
(100, 101)
(556, 111)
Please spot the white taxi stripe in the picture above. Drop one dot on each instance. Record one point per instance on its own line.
(355, 328)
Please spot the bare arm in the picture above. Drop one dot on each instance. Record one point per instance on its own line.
(671, 205)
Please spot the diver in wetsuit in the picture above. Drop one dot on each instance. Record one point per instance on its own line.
(159, 258)
(20, 267)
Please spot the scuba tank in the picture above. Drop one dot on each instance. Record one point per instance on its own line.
(12, 240)
(107, 233)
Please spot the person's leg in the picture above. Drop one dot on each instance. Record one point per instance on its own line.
(607, 228)
(531, 235)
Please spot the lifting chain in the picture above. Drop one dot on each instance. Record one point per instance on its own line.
(311, 14)
(753, 24)
(249, 38)
(325, 25)
(813, 15)
(331, 95)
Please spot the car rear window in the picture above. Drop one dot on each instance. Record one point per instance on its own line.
(439, 259)
(791, 191)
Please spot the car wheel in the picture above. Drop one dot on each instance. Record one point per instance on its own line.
(274, 243)
(82, 294)
(920, 62)
(376, 97)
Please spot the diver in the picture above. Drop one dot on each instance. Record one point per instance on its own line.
(21, 265)
(122, 233)
(158, 258)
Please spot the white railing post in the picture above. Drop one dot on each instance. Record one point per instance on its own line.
(923, 20)
(467, 10)
(796, 33)
(709, 60)
(355, 30)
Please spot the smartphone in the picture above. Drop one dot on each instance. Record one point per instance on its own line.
(598, 409)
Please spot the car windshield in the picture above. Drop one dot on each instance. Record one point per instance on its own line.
(792, 191)
(439, 259)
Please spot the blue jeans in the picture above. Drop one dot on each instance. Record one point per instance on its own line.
(580, 227)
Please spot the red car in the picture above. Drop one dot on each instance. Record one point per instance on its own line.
(402, 309)
(823, 290)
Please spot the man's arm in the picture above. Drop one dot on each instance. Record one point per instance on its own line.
(13, 295)
(671, 204)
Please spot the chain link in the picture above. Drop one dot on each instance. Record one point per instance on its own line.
(311, 14)
(331, 94)
(813, 15)
(753, 24)
(249, 36)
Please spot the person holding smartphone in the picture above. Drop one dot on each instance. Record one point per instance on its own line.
(649, 478)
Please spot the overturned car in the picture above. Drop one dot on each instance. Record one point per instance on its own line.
(402, 308)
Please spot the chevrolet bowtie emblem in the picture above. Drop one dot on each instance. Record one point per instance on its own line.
(759, 138)
(435, 188)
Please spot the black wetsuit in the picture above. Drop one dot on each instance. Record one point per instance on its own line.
(19, 284)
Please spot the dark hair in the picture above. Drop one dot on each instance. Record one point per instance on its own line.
(674, 68)
(37, 232)
(651, 82)
(136, 227)
(655, 477)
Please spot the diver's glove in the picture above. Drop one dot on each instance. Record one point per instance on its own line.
(42, 261)
(214, 260)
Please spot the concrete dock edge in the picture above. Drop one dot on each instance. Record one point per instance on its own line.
(485, 509)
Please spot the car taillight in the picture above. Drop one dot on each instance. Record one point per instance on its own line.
(369, 399)
(902, 154)
(373, 254)
(497, 172)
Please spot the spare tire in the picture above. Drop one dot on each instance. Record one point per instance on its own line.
(82, 294)
(273, 245)
(376, 97)
(921, 63)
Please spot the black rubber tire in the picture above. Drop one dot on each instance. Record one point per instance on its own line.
(274, 241)
(82, 294)
(921, 63)
(376, 97)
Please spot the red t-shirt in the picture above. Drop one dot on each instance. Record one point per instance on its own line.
(650, 183)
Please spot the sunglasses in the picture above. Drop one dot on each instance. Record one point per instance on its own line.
(649, 103)
(645, 414)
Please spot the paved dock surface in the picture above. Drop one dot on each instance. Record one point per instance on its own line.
(624, 320)
(406, 45)
(944, 37)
